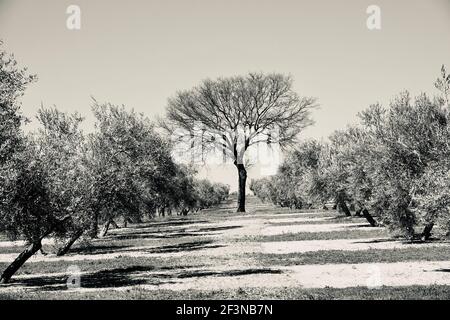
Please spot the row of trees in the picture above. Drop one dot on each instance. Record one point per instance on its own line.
(57, 181)
(394, 163)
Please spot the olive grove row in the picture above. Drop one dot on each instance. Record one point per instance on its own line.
(57, 181)
(393, 166)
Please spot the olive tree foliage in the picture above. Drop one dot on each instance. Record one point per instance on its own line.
(130, 163)
(230, 115)
(62, 145)
(209, 194)
(263, 189)
(296, 177)
(392, 164)
(44, 195)
(13, 82)
(407, 138)
(443, 85)
(13, 161)
(134, 175)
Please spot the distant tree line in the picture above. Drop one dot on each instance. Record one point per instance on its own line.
(392, 167)
(57, 181)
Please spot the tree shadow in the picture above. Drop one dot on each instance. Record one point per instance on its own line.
(168, 223)
(402, 240)
(168, 234)
(179, 247)
(228, 273)
(182, 233)
(344, 217)
(131, 276)
(183, 247)
(213, 229)
(97, 249)
(114, 278)
(377, 241)
(357, 226)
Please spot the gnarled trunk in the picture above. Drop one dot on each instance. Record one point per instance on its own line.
(242, 174)
(34, 247)
(20, 260)
(426, 233)
(369, 218)
(343, 207)
(62, 251)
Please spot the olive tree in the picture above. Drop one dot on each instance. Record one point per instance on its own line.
(131, 165)
(44, 193)
(406, 140)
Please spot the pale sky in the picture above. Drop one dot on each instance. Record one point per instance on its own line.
(139, 53)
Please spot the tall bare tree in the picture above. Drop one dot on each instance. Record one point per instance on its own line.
(232, 114)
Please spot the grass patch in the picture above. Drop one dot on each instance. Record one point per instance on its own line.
(432, 292)
(333, 235)
(327, 221)
(121, 262)
(416, 253)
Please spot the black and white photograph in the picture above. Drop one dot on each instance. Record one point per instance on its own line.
(224, 150)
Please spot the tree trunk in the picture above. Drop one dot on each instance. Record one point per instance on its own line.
(358, 212)
(105, 228)
(28, 252)
(369, 218)
(426, 234)
(20, 260)
(62, 251)
(344, 208)
(242, 173)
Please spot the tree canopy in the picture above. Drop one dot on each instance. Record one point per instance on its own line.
(230, 115)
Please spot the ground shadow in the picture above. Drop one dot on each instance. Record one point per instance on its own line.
(356, 226)
(377, 241)
(157, 234)
(97, 249)
(179, 247)
(212, 229)
(184, 247)
(228, 273)
(168, 223)
(114, 278)
(131, 276)
(168, 234)
(441, 270)
(401, 240)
